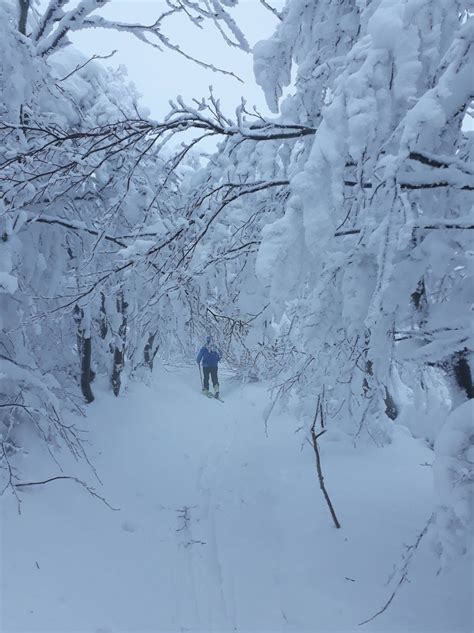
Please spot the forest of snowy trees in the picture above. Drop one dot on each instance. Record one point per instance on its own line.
(327, 248)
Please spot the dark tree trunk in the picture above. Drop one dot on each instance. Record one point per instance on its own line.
(391, 409)
(419, 296)
(24, 9)
(149, 352)
(420, 303)
(119, 349)
(84, 347)
(87, 375)
(117, 371)
(462, 373)
(104, 328)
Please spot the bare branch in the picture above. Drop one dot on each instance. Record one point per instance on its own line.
(275, 12)
(91, 59)
(314, 443)
(75, 227)
(89, 489)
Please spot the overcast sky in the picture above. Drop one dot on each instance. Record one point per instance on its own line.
(160, 76)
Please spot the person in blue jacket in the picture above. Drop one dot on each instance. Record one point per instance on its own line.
(209, 357)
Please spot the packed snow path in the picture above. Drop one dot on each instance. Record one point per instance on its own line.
(221, 527)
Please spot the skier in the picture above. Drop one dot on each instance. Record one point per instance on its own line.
(210, 357)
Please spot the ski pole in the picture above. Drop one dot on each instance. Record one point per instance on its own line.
(200, 373)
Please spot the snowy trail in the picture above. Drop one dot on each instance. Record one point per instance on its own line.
(220, 528)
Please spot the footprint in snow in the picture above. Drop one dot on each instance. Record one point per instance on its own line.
(128, 526)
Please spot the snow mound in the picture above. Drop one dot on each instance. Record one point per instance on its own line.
(454, 480)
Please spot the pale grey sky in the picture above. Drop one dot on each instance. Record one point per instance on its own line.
(160, 76)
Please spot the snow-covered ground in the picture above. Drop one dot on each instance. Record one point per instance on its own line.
(223, 528)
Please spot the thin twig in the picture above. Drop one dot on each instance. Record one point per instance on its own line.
(81, 66)
(314, 443)
(78, 481)
(404, 571)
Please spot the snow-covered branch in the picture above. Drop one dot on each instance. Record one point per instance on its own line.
(61, 17)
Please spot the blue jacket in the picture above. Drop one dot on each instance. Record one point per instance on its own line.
(208, 358)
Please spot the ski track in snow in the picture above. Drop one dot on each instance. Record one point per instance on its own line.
(207, 482)
(221, 528)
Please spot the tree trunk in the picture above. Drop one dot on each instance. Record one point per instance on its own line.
(24, 9)
(462, 374)
(149, 353)
(103, 317)
(391, 409)
(84, 347)
(86, 372)
(119, 350)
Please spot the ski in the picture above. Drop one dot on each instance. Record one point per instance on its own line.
(211, 397)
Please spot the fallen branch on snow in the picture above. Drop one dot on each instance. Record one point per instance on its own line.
(314, 444)
(411, 549)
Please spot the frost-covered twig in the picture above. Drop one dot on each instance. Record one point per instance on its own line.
(12, 477)
(221, 207)
(83, 65)
(61, 17)
(44, 219)
(268, 6)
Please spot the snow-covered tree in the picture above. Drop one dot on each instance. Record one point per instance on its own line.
(87, 209)
(376, 229)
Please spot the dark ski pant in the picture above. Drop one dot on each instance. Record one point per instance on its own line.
(212, 372)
